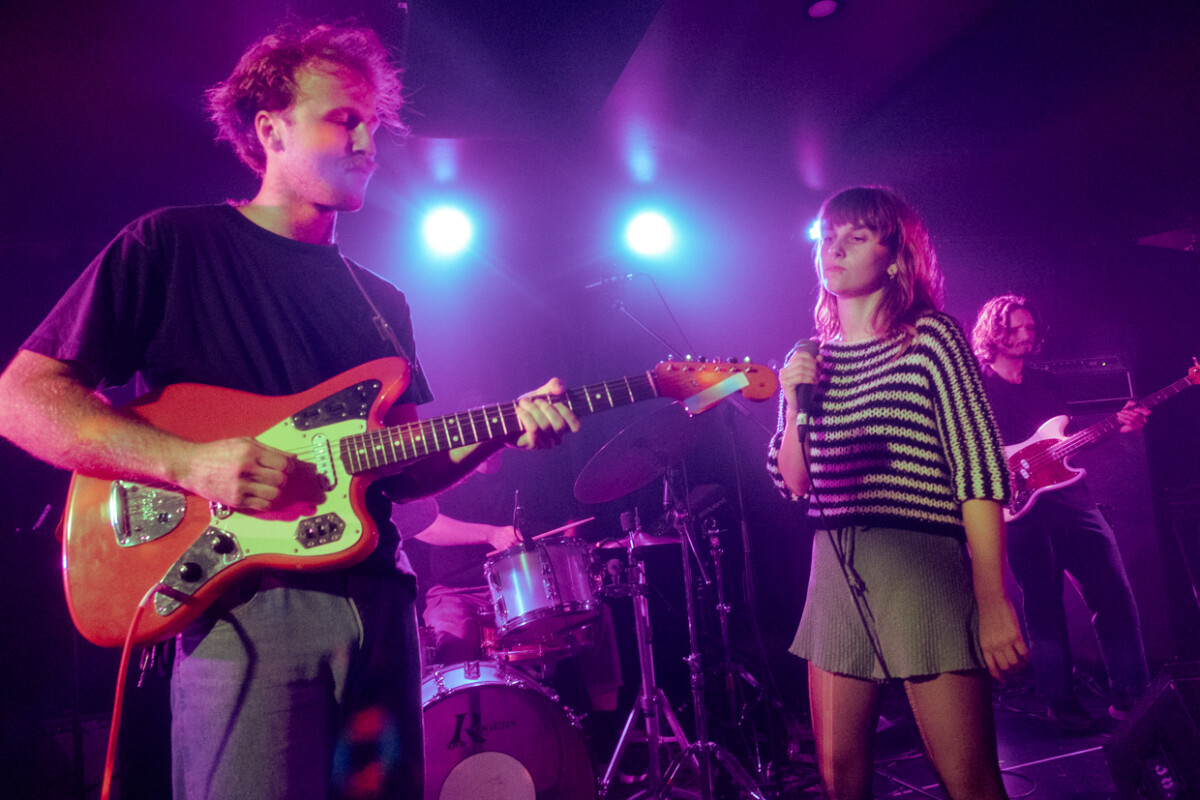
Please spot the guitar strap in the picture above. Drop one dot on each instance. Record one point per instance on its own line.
(381, 324)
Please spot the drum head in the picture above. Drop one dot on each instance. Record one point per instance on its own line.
(500, 731)
(488, 776)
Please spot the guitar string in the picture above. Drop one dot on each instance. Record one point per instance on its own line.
(1069, 445)
(403, 433)
(409, 431)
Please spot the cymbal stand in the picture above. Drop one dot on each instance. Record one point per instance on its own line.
(730, 671)
(651, 704)
(714, 549)
(702, 751)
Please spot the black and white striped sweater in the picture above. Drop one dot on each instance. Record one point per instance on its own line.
(900, 437)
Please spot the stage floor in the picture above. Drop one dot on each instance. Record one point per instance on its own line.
(1038, 761)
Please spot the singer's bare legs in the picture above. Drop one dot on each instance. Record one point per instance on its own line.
(845, 711)
(953, 713)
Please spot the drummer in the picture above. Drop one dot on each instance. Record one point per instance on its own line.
(456, 602)
(449, 554)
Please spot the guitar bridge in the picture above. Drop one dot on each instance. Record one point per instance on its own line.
(139, 514)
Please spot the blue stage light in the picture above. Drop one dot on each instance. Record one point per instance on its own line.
(650, 234)
(448, 231)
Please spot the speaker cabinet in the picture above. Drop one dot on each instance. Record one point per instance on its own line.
(1155, 754)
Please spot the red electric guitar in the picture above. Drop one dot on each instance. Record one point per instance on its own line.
(122, 539)
(1039, 464)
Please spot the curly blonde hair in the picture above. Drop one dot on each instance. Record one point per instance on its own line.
(265, 80)
(917, 288)
(991, 326)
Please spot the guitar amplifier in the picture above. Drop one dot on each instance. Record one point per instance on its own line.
(1097, 383)
(1155, 754)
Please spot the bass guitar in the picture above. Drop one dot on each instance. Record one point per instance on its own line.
(1040, 463)
(124, 541)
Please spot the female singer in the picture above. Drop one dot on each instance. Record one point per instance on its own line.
(900, 461)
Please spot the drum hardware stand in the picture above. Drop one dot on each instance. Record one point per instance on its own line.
(734, 674)
(730, 672)
(702, 751)
(651, 703)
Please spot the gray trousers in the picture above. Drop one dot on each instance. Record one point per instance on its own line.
(302, 687)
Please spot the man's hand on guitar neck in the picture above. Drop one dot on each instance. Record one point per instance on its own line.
(544, 423)
(1132, 417)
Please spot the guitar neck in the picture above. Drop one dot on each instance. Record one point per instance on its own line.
(1098, 432)
(396, 445)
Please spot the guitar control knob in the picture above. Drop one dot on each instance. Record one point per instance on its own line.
(221, 544)
(190, 571)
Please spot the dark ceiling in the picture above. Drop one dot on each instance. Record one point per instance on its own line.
(1081, 115)
(1084, 112)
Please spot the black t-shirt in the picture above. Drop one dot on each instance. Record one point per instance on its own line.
(1021, 408)
(203, 295)
(485, 498)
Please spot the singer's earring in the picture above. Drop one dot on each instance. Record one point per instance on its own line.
(892, 270)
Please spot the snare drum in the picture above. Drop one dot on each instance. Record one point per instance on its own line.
(492, 733)
(544, 651)
(542, 588)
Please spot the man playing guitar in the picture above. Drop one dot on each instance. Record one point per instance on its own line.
(277, 685)
(1062, 531)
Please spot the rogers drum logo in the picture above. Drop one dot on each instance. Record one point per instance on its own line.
(475, 730)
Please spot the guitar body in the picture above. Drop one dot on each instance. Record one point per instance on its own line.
(121, 539)
(1034, 470)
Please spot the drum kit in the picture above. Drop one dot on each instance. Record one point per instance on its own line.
(494, 730)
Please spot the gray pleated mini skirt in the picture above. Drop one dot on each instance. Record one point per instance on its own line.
(915, 595)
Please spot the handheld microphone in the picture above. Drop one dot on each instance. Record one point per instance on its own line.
(804, 391)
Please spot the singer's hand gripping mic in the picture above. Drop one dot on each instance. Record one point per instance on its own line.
(804, 391)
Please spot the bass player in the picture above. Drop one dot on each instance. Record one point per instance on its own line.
(1062, 532)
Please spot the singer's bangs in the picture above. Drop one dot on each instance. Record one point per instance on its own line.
(867, 207)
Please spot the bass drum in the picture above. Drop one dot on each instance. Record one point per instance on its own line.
(492, 733)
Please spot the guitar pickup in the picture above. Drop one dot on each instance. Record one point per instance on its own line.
(316, 531)
(322, 456)
(353, 402)
(139, 514)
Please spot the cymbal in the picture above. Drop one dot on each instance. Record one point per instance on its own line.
(637, 455)
(642, 539)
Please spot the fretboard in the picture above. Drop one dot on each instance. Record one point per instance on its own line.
(1106, 427)
(393, 446)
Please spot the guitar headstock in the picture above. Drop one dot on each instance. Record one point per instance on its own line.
(684, 379)
(1193, 376)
